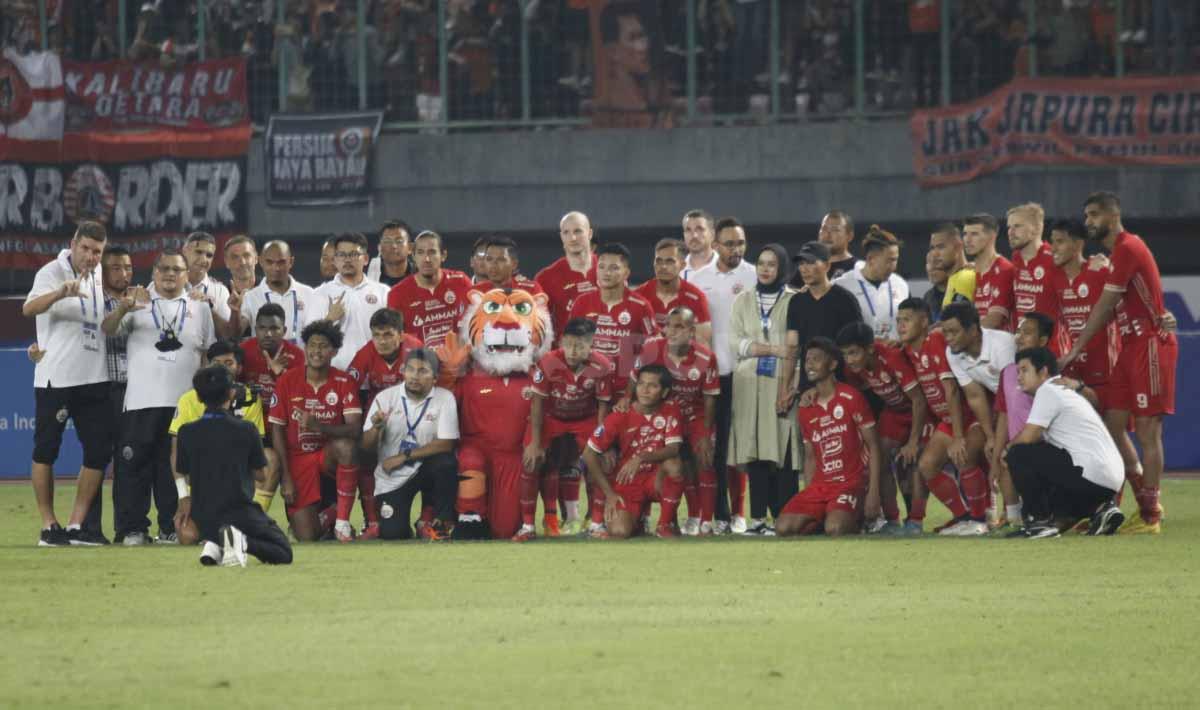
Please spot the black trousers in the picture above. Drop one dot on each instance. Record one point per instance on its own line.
(145, 471)
(721, 450)
(771, 486)
(1051, 485)
(116, 400)
(264, 539)
(437, 482)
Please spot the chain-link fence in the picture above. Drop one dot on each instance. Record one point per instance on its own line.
(440, 65)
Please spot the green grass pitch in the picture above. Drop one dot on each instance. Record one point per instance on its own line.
(730, 623)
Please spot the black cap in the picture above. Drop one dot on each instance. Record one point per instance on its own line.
(812, 252)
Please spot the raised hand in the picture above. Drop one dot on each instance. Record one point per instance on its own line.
(71, 289)
(279, 362)
(453, 354)
(235, 299)
(337, 310)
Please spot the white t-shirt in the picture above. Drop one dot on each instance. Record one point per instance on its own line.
(360, 303)
(688, 272)
(159, 379)
(217, 291)
(877, 303)
(297, 305)
(1072, 424)
(721, 287)
(436, 420)
(69, 331)
(997, 351)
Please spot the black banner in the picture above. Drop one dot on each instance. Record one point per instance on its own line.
(320, 160)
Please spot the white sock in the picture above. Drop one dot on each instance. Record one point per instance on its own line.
(571, 509)
(72, 526)
(1013, 512)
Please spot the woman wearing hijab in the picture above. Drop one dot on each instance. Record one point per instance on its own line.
(767, 444)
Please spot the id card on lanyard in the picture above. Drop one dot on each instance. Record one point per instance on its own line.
(409, 442)
(882, 328)
(766, 364)
(91, 328)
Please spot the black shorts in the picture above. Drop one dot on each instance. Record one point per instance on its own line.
(89, 407)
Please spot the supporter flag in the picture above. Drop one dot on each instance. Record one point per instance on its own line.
(32, 100)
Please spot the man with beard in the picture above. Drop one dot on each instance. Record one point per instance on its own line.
(667, 291)
(993, 296)
(433, 299)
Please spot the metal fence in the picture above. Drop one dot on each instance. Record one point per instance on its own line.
(440, 65)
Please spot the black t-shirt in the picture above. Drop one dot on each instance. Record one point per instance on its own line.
(838, 267)
(934, 297)
(393, 280)
(219, 453)
(811, 317)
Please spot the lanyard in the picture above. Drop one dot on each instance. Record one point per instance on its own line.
(412, 427)
(295, 309)
(82, 308)
(180, 315)
(871, 301)
(765, 315)
(213, 415)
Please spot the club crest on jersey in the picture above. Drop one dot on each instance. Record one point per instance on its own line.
(274, 400)
(624, 318)
(450, 298)
(371, 299)
(589, 384)
(737, 288)
(1083, 290)
(538, 377)
(838, 411)
(331, 398)
(659, 422)
(693, 374)
(1038, 272)
(62, 414)
(354, 373)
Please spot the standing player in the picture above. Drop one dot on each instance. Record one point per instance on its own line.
(667, 291)
(1143, 382)
(315, 422)
(572, 389)
(839, 441)
(648, 435)
(623, 319)
(694, 390)
(433, 299)
(956, 435)
(883, 369)
(350, 298)
(280, 288)
(572, 275)
(993, 273)
(501, 262)
(1033, 263)
(698, 236)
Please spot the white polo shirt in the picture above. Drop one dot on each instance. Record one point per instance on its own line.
(997, 351)
(69, 331)
(360, 303)
(688, 272)
(877, 303)
(721, 287)
(159, 379)
(217, 291)
(1072, 424)
(296, 300)
(434, 417)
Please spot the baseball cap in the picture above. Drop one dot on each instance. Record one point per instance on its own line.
(812, 252)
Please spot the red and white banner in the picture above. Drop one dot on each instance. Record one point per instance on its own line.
(32, 99)
(1139, 121)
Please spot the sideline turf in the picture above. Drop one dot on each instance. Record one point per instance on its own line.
(732, 623)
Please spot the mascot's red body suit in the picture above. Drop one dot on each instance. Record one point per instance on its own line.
(507, 333)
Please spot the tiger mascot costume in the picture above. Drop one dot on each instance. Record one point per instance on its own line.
(503, 334)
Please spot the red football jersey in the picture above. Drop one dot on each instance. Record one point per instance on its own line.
(891, 377)
(570, 396)
(336, 399)
(429, 314)
(493, 412)
(1076, 299)
(518, 282)
(373, 373)
(694, 377)
(620, 330)
(1032, 290)
(994, 289)
(836, 431)
(562, 286)
(931, 366)
(689, 295)
(255, 370)
(636, 433)
(1135, 275)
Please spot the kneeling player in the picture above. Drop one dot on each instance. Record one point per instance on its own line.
(223, 456)
(648, 436)
(315, 422)
(839, 438)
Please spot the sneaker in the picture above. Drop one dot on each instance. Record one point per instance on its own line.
(891, 528)
(690, 527)
(914, 528)
(233, 552)
(167, 539)
(54, 536)
(137, 539)
(212, 554)
(597, 531)
(1135, 525)
(1106, 521)
(525, 534)
(756, 527)
(571, 527)
(966, 527)
(550, 526)
(720, 527)
(86, 538)
(1039, 532)
(666, 530)
(737, 524)
(706, 529)
(371, 532)
(343, 531)
(875, 526)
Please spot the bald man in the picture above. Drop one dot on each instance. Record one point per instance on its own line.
(278, 286)
(573, 274)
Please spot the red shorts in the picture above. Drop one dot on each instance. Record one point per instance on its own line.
(553, 428)
(943, 425)
(638, 493)
(1143, 382)
(306, 476)
(895, 426)
(819, 499)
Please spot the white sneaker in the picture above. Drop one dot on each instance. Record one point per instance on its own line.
(966, 528)
(234, 552)
(720, 527)
(136, 539)
(706, 528)
(212, 554)
(737, 525)
(691, 527)
(874, 526)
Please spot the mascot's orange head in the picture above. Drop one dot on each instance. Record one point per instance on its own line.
(509, 331)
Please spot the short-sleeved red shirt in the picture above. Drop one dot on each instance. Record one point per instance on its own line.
(689, 295)
(1076, 299)
(994, 289)
(518, 283)
(493, 412)
(931, 366)
(694, 377)
(1032, 291)
(331, 403)
(620, 330)
(836, 432)
(891, 377)
(636, 433)
(1135, 275)
(430, 314)
(563, 285)
(572, 396)
(256, 371)
(373, 373)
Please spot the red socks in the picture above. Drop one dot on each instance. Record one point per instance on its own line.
(1147, 500)
(891, 510)
(366, 495)
(691, 495)
(672, 491)
(527, 489)
(977, 490)
(708, 495)
(737, 491)
(946, 489)
(917, 512)
(346, 479)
